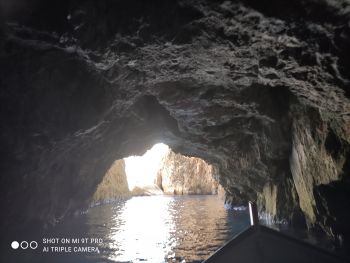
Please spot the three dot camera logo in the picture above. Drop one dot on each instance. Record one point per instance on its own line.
(24, 244)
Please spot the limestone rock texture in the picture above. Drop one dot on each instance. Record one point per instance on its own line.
(182, 175)
(114, 184)
(258, 89)
(147, 190)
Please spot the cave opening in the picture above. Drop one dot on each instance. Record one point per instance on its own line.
(161, 206)
(158, 171)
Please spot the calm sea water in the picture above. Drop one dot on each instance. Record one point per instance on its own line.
(154, 229)
(140, 229)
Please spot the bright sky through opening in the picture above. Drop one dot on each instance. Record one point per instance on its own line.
(142, 170)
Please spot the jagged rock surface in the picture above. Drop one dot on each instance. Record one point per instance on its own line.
(114, 184)
(259, 89)
(183, 175)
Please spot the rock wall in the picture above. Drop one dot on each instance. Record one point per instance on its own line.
(183, 175)
(319, 157)
(258, 89)
(113, 185)
(147, 190)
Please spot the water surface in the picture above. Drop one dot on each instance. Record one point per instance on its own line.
(145, 229)
(157, 228)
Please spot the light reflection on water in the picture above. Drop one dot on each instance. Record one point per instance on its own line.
(143, 230)
(164, 228)
(153, 229)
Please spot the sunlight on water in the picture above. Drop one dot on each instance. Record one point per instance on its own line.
(164, 228)
(145, 231)
(153, 229)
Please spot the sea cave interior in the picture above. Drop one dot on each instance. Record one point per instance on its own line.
(140, 130)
